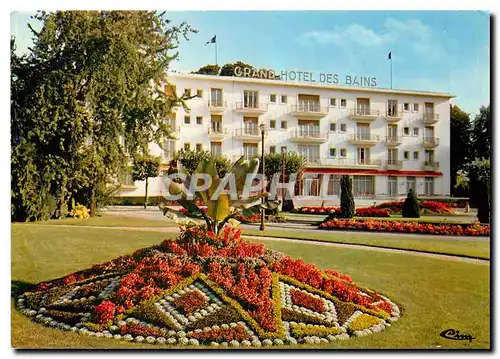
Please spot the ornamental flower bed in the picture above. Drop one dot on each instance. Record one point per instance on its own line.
(209, 289)
(360, 212)
(406, 227)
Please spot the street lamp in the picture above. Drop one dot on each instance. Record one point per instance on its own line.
(263, 132)
(283, 167)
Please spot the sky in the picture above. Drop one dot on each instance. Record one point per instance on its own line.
(442, 51)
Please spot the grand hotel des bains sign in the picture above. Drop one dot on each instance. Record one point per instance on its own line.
(306, 76)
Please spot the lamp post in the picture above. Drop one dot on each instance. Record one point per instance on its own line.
(283, 167)
(262, 212)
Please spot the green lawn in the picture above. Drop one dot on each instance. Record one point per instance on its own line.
(474, 247)
(433, 294)
(110, 220)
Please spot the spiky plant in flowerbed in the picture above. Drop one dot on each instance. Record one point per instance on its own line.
(209, 287)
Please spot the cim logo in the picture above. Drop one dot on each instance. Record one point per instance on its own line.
(306, 76)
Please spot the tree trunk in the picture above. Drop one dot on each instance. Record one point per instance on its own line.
(146, 195)
(93, 206)
(62, 209)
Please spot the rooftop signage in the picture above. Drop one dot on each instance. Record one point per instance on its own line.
(307, 76)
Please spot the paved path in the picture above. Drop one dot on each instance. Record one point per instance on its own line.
(317, 243)
(376, 249)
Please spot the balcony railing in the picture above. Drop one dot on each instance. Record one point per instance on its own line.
(343, 161)
(430, 117)
(308, 134)
(394, 164)
(217, 104)
(361, 111)
(432, 165)
(217, 132)
(311, 108)
(248, 106)
(431, 141)
(364, 137)
(247, 131)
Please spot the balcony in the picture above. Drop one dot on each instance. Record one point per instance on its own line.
(217, 107)
(394, 165)
(316, 162)
(249, 134)
(251, 108)
(364, 139)
(216, 134)
(364, 114)
(393, 117)
(430, 166)
(430, 118)
(430, 142)
(310, 109)
(303, 136)
(393, 141)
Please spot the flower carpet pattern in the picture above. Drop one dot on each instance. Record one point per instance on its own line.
(207, 289)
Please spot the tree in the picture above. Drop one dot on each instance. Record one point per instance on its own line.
(91, 78)
(480, 188)
(144, 168)
(411, 207)
(481, 133)
(190, 159)
(460, 146)
(208, 70)
(347, 207)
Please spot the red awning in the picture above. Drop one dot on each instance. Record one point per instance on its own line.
(355, 171)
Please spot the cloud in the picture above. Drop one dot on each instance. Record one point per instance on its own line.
(413, 32)
(354, 34)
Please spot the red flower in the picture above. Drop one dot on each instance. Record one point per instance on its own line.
(104, 312)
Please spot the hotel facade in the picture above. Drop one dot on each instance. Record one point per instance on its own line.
(388, 140)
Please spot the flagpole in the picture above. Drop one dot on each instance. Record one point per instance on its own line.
(216, 63)
(390, 60)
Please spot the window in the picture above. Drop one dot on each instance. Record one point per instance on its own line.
(364, 186)
(415, 107)
(250, 150)
(284, 98)
(168, 149)
(392, 188)
(127, 179)
(415, 155)
(343, 127)
(187, 146)
(333, 185)
(187, 92)
(250, 99)
(216, 123)
(199, 120)
(415, 131)
(333, 127)
(392, 108)
(343, 152)
(187, 120)
(406, 155)
(429, 186)
(199, 147)
(283, 125)
(406, 106)
(272, 98)
(272, 149)
(216, 148)
(343, 102)
(272, 124)
(411, 182)
(333, 152)
(310, 153)
(406, 131)
(216, 97)
(333, 102)
(199, 93)
(363, 155)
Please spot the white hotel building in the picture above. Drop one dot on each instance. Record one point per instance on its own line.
(388, 140)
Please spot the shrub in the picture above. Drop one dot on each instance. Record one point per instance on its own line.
(411, 207)
(346, 197)
(80, 212)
